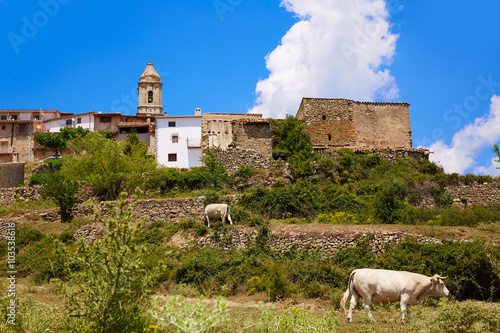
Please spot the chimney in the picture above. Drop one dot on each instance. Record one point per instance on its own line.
(197, 112)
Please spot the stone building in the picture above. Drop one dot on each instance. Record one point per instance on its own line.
(335, 123)
(150, 89)
(17, 127)
(242, 139)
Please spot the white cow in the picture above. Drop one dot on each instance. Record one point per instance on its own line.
(385, 286)
(217, 211)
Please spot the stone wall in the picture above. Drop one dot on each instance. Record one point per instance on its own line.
(309, 241)
(22, 141)
(254, 135)
(12, 175)
(476, 194)
(382, 124)
(347, 123)
(217, 128)
(233, 158)
(328, 121)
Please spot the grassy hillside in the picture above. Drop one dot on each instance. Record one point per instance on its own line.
(341, 190)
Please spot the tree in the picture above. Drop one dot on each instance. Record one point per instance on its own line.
(51, 141)
(291, 139)
(103, 164)
(218, 174)
(58, 142)
(290, 136)
(62, 191)
(497, 151)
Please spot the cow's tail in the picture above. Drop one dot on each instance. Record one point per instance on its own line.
(343, 301)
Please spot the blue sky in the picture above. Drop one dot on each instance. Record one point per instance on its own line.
(264, 56)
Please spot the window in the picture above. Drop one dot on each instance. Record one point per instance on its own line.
(171, 124)
(324, 117)
(172, 157)
(78, 120)
(105, 119)
(3, 127)
(3, 117)
(36, 117)
(14, 117)
(329, 137)
(175, 138)
(150, 97)
(23, 129)
(69, 122)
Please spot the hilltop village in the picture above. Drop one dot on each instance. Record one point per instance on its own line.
(178, 141)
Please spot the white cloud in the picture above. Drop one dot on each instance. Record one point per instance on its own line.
(336, 50)
(469, 142)
(492, 169)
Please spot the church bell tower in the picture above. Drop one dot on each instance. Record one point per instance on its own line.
(149, 89)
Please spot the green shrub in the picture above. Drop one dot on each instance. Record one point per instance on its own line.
(185, 224)
(39, 179)
(66, 237)
(389, 202)
(277, 286)
(111, 290)
(211, 198)
(468, 316)
(62, 191)
(200, 229)
(26, 237)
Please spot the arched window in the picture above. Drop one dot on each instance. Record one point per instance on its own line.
(150, 97)
(329, 137)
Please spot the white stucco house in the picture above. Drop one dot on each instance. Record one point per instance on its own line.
(178, 140)
(84, 120)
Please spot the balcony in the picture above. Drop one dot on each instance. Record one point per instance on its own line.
(194, 142)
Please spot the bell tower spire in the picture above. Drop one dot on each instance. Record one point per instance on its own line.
(149, 88)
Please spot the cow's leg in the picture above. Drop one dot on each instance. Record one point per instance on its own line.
(354, 302)
(208, 220)
(404, 303)
(229, 217)
(366, 306)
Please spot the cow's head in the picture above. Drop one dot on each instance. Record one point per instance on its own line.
(438, 287)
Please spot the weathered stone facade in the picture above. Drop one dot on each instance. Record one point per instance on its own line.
(217, 128)
(347, 123)
(242, 139)
(12, 174)
(253, 134)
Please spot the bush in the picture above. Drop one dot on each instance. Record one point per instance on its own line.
(39, 179)
(62, 191)
(468, 316)
(185, 224)
(211, 198)
(389, 202)
(66, 237)
(26, 237)
(111, 291)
